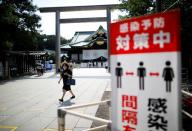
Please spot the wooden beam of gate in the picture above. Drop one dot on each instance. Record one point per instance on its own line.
(78, 8)
(79, 20)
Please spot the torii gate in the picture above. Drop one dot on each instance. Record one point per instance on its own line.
(57, 11)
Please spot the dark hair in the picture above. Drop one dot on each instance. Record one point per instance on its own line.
(65, 64)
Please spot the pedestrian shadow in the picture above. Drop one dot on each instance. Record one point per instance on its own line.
(67, 103)
(2, 82)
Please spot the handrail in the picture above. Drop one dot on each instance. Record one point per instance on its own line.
(187, 114)
(87, 116)
(62, 111)
(186, 93)
(85, 105)
(97, 128)
(183, 111)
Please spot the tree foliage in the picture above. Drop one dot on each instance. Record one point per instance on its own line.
(142, 7)
(48, 42)
(18, 24)
(136, 7)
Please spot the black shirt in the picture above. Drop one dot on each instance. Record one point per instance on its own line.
(65, 74)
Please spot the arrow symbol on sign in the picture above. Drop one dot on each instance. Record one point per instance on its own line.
(129, 73)
(154, 73)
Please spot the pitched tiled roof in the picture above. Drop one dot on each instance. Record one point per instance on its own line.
(99, 30)
(79, 39)
(83, 38)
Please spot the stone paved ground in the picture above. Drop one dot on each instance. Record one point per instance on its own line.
(104, 111)
(30, 103)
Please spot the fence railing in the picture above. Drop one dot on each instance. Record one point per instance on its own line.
(190, 96)
(187, 93)
(62, 111)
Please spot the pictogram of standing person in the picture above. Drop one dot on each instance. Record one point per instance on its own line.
(119, 73)
(168, 75)
(141, 73)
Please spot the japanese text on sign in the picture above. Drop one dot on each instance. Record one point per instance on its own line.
(129, 112)
(156, 118)
(147, 34)
(141, 40)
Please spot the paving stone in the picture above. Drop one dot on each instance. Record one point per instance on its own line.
(30, 103)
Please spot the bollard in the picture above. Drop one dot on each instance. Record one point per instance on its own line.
(109, 127)
(109, 103)
(61, 119)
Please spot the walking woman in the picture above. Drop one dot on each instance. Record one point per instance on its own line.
(66, 74)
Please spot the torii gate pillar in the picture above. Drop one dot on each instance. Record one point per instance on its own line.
(58, 41)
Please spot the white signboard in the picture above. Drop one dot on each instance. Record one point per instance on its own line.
(94, 54)
(145, 68)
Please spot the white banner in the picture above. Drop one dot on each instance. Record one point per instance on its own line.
(94, 54)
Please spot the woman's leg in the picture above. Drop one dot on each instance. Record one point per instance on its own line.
(73, 96)
(64, 91)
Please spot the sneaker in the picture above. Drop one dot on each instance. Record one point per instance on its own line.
(61, 100)
(72, 97)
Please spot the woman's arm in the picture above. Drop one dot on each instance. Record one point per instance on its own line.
(68, 73)
(60, 78)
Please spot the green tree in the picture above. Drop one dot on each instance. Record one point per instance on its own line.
(136, 7)
(18, 24)
(142, 7)
(48, 42)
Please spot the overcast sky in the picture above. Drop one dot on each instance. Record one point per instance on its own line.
(68, 30)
